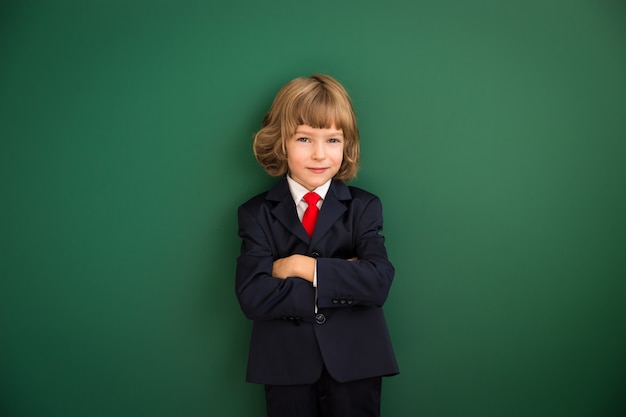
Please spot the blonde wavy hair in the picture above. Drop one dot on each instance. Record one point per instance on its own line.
(318, 101)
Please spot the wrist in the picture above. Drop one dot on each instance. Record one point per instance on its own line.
(307, 266)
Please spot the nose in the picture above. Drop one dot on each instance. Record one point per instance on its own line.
(318, 151)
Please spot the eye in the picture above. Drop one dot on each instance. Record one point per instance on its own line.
(303, 139)
(334, 140)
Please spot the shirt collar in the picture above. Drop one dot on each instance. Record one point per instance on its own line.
(298, 191)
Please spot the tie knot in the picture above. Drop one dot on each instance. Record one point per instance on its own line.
(311, 199)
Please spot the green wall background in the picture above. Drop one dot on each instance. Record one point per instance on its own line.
(494, 132)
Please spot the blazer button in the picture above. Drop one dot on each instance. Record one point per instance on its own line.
(343, 300)
(315, 255)
(335, 300)
(320, 318)
(350, 301)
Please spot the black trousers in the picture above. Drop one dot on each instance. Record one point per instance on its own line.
(325, 398)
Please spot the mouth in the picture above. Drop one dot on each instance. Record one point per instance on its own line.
(317, 170)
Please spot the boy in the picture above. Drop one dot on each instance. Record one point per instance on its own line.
(313, 271)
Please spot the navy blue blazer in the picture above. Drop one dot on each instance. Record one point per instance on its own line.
(290, 343)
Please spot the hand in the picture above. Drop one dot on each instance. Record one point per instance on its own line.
(300, 266)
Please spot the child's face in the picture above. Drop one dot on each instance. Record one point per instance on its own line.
(314, 155)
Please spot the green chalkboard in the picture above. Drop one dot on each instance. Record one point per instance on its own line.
(494, 133)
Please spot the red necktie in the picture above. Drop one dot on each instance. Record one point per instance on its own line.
(310, 215)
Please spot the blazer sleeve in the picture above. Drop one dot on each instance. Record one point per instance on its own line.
(365, 281)
(262, 296)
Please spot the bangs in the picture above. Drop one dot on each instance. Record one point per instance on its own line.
(320, 109)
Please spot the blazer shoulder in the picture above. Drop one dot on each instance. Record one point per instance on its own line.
(361, 194)
(269, 197)
(255, 200)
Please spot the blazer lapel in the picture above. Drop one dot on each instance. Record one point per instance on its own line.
(285, 210)
(332, 208)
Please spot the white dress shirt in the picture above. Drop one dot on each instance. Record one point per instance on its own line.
(297, 193)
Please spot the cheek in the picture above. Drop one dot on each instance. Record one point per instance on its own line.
(290, 163)
(339, 156)
(293, 160)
